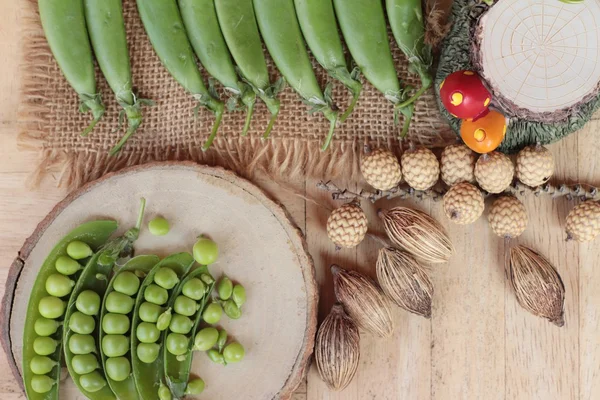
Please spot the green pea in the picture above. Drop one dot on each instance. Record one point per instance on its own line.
(225, 288)
(92, 382)
(118, 368)
(231, 309)
(222, 340)
(194, 387)
(207, 279)
(51, 307)
(166, 278)
(82, 344)
(115, 324)
(215, 356)
(177, 344)
(81, 323)
(164, 393)
(66, 265)
(205, 251)
(181, 324)
(115, 345)
(212, 314)
(41, 383)
(107, 258)
(159, 226)
(45, 326)
(41, 365)
(206, 339)
(147, 332)
(147, 352)
(44, 346)
(149, 312)
(185, 306)
(233, 352)
(156, 295)
(119, 303)
(164, 320)
(127, 283)
(239, 295)
(84, 363)
(79, 250)
(88, 302)
(194, 289)
(59, 285)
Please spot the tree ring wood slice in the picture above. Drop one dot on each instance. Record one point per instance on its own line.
(259, 247)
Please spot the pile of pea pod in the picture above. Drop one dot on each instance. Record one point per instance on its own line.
(126, 326)
(227, 38)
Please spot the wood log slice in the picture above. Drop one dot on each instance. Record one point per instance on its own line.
(259, 246)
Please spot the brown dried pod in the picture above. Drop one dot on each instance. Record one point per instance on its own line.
(417, 233)
(337, 349)
(537, 285)
(363, 300)
(404, 281)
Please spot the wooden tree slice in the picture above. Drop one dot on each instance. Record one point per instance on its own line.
(259, 247)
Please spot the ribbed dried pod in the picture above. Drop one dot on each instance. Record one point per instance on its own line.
(537, 285)
(381, 169)
(363, 300)
(583, 222)
(418, 234)
(347, 225)
(337, 349)
(404, 281)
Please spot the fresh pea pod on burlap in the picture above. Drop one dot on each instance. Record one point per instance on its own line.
(281, 33)
(164, 26)
(320, 29)
(64, 26)
(47, 324)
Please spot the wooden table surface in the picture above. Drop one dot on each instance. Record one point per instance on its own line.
(479, 344)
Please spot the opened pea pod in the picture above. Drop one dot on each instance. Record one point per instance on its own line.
(43, 331)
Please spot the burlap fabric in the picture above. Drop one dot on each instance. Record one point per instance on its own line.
(171, 132)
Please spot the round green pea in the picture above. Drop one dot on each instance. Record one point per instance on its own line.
(149, 312)
(159, 226)
(164, 320)
(81, 323)
(84, 363)
(194, 387)
(181, 324)
(119, 303)
(156, 295)
(206, 339)
(82, 344)
(147, 352)
(51, 307)
(164, 393)
(45, 327)
(205, 251)
(92, 382)
(115, 324)
(44, 346)
(79, 250)
(88, 302)
(231, 309)
(66, 265)
(41, 383)
(59, 285)
(106, 259)
(194, 289)
(212, 314)
(41, 365)
(239, 295)
(177, 344)
(118, 368)
(233, 352)
(147, 332)
(185, 306)
(215, 356)
(166, 278)
(127, 283)
(115, 345)
(225, 288)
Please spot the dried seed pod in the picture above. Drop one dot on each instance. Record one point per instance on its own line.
(463, 203)
(337, 349)
(537, 285)
(347, 225)
(508, 217)
(417, 233)
(363, 300)
(535, 165)
(404, 281)
(458, 164)
(381, 169)
(420, 168)
(494, 172)
(583, 222)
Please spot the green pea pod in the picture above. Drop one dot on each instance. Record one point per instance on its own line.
(95, 234)
(177, 369)
(320, 29)
(406, 21)
(240, 30)
(64, 25)
(202, 26)
(281, 33)
(164, 26)
(140, 265)
(148, 376)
